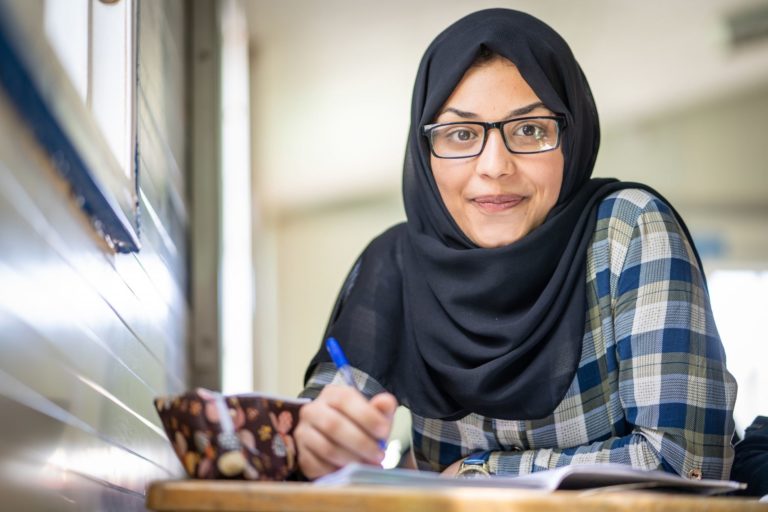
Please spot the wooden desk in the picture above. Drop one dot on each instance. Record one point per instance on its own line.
(230, 496)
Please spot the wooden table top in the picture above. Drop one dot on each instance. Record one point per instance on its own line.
(241, 496)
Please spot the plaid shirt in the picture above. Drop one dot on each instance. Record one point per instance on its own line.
(651, 390)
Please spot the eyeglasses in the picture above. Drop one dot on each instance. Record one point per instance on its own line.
(521, 135)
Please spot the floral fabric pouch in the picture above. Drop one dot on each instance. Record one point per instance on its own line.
(247, 436)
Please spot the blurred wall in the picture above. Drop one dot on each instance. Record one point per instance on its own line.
(317, 249)
(88, 337)
(711, 161)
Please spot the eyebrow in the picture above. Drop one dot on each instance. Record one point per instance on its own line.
(513, 113)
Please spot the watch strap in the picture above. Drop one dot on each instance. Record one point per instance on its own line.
(475, 465)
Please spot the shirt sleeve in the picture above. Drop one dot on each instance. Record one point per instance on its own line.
(326, 373)
(674, 387)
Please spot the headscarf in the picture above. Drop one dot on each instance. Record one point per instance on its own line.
(451, 328)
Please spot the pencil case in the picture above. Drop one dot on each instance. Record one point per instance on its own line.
(245, 437)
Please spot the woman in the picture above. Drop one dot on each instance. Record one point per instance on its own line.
(528, 316)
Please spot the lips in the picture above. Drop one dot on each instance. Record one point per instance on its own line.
(497, 203)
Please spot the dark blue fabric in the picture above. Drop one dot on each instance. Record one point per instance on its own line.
(751, 462)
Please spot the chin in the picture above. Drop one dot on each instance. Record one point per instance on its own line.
(492, 240)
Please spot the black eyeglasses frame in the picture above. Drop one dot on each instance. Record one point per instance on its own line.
(487, 126)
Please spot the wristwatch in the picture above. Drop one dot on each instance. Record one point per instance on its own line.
(475, 466)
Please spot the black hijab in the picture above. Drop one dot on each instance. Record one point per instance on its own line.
(451, 328)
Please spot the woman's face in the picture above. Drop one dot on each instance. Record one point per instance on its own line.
(497, 197)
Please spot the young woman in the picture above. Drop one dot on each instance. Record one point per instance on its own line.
(528, 316)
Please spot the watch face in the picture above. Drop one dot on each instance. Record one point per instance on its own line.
(474, 473)
(472, 469)
(475, 466)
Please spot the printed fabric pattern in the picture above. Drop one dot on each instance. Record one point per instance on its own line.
(260, 445)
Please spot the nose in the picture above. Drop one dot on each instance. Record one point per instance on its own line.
(495, 161)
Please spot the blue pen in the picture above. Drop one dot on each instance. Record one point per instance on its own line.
(342, 365)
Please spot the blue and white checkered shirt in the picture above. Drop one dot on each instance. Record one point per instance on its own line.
(651, 391)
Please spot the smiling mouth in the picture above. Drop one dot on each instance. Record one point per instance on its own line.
(500, 203)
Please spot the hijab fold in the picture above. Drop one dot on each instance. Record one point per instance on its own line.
(451, 328)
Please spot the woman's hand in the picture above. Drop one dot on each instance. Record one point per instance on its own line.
(453, 469)
(341, 426)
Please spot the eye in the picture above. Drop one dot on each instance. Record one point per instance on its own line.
(461, 134)
(530, 130)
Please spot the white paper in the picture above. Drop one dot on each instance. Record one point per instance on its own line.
(569, 477)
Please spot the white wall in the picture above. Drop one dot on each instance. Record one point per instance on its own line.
(316, 251)
(711, 162)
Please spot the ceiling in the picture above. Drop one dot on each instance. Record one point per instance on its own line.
(340, 72)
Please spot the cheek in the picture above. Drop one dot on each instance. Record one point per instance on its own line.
(449, 179)
(552, 180)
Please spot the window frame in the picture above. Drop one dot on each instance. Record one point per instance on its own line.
(48, 102)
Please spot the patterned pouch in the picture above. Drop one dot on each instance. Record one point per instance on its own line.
(247, 436)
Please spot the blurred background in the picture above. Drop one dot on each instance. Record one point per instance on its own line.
(248, 151)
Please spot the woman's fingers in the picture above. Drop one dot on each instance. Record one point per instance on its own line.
(343, 429)
(374, 417)
(312, 467)
(385, 402)
(318, 455)
(341, 426)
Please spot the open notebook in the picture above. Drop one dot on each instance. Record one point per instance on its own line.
(569, 478)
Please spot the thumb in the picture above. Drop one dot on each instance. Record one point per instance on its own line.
(386, 403)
